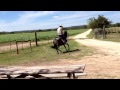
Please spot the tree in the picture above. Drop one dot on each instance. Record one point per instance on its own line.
(117, 24)
(103, 23)
(100, 22)
(92, 23)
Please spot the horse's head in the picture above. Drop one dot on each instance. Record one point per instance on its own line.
(65, 34)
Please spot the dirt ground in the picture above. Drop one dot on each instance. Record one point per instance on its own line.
(104, 64)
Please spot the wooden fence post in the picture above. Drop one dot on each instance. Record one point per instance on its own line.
(30, 45)
(17, 47)
(36, 38)
(10, 43)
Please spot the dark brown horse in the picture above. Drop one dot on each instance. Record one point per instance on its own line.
(57, 42)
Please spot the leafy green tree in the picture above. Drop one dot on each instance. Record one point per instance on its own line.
(101, 22)
(92, 23)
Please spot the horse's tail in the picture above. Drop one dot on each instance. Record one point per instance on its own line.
(54, 43)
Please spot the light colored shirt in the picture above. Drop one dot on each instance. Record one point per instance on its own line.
(59, 31)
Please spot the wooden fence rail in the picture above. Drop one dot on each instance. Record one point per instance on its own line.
(50, 72)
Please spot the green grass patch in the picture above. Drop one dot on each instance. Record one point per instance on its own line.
(90, 35)
(115, 37)
(44, 53)
(46, 35)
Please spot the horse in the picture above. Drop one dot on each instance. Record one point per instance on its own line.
(57, 42)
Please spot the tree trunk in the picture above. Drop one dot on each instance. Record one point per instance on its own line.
(104, 35)
(95, 33)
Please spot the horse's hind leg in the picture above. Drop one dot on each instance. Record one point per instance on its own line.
(57, 49)
(60, 50)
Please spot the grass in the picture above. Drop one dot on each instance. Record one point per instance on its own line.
(43, 53)
(91, 35)
(114, 37)
(46, 35)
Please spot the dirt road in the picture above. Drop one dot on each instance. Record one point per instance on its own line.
(105, 64)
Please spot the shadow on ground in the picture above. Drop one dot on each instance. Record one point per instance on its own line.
(71, 51)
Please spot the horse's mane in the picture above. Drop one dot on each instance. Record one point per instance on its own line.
(65, 34)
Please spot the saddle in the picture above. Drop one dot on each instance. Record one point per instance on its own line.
(59, 38)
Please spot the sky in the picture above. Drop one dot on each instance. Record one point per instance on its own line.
(34, 20)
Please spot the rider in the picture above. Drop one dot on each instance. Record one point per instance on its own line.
(60, 33)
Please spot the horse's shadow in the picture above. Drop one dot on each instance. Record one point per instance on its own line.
(71, 50)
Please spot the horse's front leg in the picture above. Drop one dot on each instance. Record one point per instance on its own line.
(65, 48)
(68, 46)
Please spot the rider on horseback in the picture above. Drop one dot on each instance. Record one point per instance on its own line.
(61, 39)
(60, 33)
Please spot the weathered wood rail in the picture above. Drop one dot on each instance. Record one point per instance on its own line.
(48, 72)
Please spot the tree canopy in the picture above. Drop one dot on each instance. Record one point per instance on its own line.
(99, 22)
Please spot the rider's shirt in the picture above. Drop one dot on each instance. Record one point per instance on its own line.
(59, 31)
